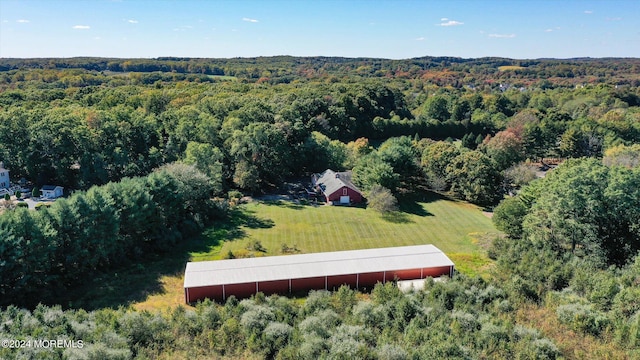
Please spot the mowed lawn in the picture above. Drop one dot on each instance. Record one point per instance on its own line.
(457, 228)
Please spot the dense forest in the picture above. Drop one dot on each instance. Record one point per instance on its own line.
(153, 151)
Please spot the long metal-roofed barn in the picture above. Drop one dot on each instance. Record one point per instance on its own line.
(296, 273)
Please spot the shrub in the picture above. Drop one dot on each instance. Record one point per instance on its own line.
(317, 300)
(544, 349)
(22, 205)
(276, 336)
(312, 347)
(256, 245)
(381, 199)
(464, 322)
(582, 318)
(391, 352)
(256, 319)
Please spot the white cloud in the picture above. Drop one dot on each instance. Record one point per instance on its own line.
(23, 21)
(451, 23)
(502, 36)
(588, 11)
(132, 21)
(249, 20)
(82, 27)
(444, 19)
(548, 30)
(421, 38)
(614, 19)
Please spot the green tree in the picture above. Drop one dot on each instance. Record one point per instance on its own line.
(208, 159)
(436, 107)
(508, 216)
(264, 152)
(505, 148)
(401, 154)
(474, 177)
(435, 159)
(372, 170)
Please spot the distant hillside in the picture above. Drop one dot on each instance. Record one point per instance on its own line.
(449, 71)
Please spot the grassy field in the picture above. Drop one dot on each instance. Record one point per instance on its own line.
(510, 67)
(457, 228)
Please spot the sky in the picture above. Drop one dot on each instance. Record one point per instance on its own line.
(400, 29)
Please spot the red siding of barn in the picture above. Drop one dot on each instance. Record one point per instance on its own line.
(334, 282)
(244, 290)
(410, 274)
(198, 293)
(317, 283)
(370, 279)
(355, 196)
(307, 284)
(274, 287)
(436, 271)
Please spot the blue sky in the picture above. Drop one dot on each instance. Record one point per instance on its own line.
(375, 28)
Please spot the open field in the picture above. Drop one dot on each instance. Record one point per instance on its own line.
(459, 229)
(510, 67)
(454, 227)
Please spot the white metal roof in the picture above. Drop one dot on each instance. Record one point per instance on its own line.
(238, 271)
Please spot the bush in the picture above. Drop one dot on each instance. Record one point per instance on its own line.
(22, 205)
(391, 352)
(256, 245)
(276, 336)
(312, 347)
(381, 199)
(582, 318)
(544, 349)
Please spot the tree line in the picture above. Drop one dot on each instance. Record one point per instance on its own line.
(49, 251)
(443, 71)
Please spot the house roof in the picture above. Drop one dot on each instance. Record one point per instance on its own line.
(331, 181)
(50, 187)
(238, 271)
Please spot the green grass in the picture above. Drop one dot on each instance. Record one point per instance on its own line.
(452, 226)
(155, 283)
(510, 67)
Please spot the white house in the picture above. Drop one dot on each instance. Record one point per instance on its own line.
(4, 177)
(52, 191)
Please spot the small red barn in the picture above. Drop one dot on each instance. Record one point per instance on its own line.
(337, 187)
(300, 273)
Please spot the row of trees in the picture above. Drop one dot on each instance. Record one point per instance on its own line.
(46, 252)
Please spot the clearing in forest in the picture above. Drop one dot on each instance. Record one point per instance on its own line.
(275, 228)
(458, 228)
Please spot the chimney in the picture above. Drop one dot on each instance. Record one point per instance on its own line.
(337, 175)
